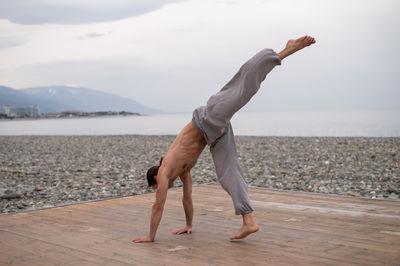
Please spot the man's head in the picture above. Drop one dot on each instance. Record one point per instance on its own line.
(152, 175)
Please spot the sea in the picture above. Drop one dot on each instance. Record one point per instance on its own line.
(349, 123)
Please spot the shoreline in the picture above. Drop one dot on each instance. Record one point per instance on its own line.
(49, 171)
(65, 117)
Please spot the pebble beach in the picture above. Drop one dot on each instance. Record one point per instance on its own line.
(47, 171)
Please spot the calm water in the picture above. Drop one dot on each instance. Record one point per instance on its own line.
(303, 123)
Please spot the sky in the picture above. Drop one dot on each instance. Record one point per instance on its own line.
(173, 55)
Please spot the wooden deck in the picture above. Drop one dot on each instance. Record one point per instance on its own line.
(296, 228)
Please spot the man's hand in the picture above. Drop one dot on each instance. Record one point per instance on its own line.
(142, 239)
(158, 207)
(187, 230)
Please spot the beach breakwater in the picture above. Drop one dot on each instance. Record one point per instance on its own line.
(45, 171)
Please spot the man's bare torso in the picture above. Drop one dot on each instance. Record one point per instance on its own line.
(183, 153)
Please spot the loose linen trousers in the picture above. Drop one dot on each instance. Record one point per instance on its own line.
(213, 123)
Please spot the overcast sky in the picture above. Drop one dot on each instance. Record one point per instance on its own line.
(172, 55)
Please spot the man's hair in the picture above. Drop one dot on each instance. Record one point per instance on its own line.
(151, 173)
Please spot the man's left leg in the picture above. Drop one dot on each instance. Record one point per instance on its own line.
(230, 175)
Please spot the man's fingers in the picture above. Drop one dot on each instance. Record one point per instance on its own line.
(141, 239)
(181, 231)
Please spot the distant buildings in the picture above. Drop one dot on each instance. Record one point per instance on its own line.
(15, 112)
(72, 114)
(22, 111)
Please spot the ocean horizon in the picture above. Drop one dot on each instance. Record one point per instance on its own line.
(357, 123)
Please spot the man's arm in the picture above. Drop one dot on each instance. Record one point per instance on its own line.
(187, 203)
(158, 207)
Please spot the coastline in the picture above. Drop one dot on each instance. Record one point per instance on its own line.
(46, 171)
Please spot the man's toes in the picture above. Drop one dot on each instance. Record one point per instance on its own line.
(236, 237)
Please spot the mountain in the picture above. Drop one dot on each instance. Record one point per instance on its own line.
(12, 97)
(68, 98)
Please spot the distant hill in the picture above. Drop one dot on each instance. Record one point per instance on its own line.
(56, 99)
(12, 97)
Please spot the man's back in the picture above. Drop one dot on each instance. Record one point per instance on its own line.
(183, 153)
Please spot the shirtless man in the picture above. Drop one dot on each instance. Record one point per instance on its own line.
(210, 125)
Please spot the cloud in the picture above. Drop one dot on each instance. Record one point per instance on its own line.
(92, 35)
(75, 11)
(11, 41)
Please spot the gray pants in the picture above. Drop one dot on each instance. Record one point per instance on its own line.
(213, 123)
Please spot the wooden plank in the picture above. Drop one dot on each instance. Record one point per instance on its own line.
(296, 228)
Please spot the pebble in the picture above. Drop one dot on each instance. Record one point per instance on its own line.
(12, 195)
(43, 171)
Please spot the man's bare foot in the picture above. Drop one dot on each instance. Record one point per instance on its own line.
(245, 231)
(295, 45)
(249, 227)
